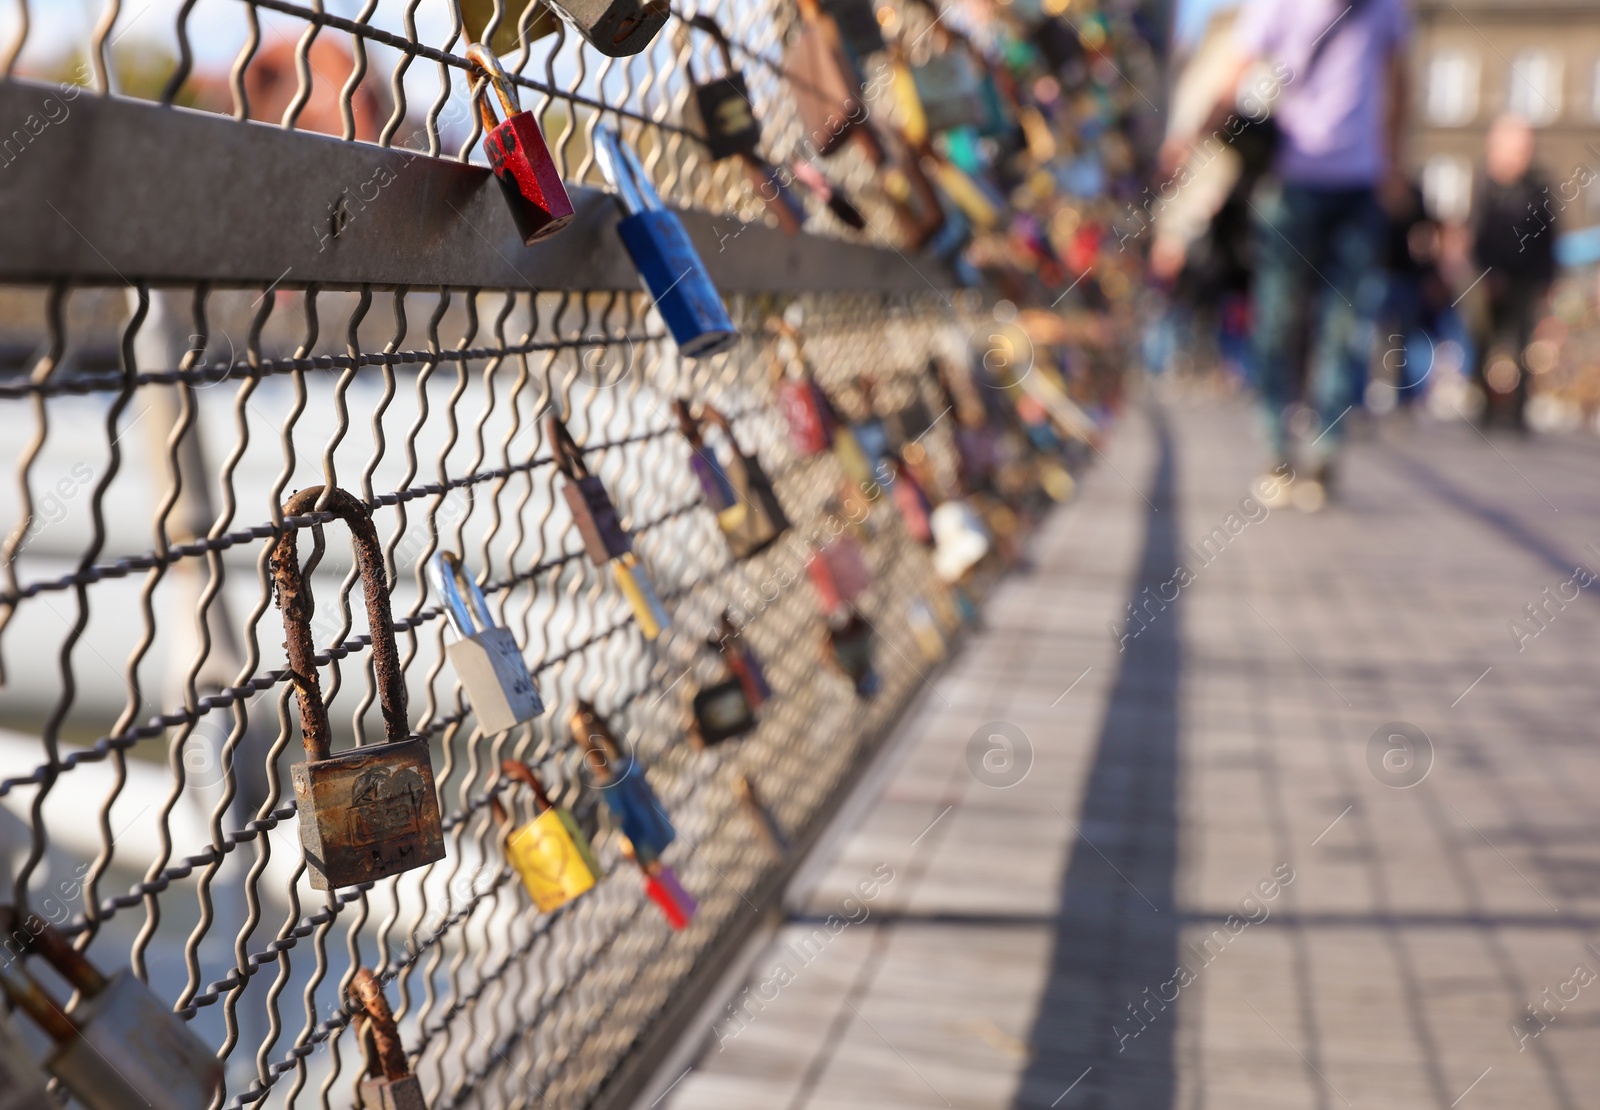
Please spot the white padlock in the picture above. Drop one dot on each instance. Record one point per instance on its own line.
(485, 657)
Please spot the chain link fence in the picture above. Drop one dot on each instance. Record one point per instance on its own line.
(157, 426)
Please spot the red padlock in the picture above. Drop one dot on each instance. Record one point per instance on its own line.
(520, 159)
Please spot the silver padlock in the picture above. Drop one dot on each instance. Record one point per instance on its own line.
(388, 1084)
(121, 1047)
(22, 1081)
(616, 28)
(486, 657)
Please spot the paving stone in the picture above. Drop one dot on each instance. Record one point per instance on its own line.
(1031, 938)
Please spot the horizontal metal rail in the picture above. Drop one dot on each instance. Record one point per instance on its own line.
(242, 203)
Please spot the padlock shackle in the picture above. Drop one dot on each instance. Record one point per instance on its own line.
(620, 164)
(366, 996)
(30, 998)
(691, 425)
(710, 412)
(294, 598)
(26, 994)
(56, 951)
(469, 614)
(518, 771)
(704, 22)
(587, 727)
(687, 423)
(568, 455)
(481, 57)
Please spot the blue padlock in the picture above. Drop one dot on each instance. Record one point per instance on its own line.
(623, 785)
(666, 259)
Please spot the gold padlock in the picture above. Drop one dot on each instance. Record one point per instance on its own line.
(550, 852)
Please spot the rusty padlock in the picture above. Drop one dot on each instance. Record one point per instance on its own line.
(604, 537)
(388, 1084)
(121, 1046)
(623, 785)
(486, 657)
(372, 811)
(550, 852)
(519, 157)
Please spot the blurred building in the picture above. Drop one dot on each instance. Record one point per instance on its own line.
(273, 82)
(1474, 59)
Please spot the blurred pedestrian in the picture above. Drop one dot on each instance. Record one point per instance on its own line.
(1513, 245)
(1336, 99)
(1414, 296)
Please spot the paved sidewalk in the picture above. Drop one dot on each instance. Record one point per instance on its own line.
(1212, 887)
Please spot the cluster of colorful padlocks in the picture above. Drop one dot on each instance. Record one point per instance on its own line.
(372, 811)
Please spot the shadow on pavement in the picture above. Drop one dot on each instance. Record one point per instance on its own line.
(1101, 1028)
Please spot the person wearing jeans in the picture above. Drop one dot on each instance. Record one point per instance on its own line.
(1337, 102)
(1318, 248)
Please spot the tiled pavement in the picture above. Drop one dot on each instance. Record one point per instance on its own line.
(1026, 952)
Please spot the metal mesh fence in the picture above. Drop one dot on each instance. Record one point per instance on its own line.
(157, 430)
(400, 78)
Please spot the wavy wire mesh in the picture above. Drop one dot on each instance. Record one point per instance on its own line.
(147, 728)
(174, 633)
(312, 69)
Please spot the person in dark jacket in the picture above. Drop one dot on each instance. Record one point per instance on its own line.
(1513, 244)
(1415, 297)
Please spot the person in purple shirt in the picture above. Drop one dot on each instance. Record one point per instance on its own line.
(1336, 96)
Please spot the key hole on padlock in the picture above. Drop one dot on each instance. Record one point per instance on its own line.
(341, 215)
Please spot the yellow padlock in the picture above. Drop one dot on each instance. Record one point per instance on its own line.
(550, 852)
(642, 598)
(913, 120)
(852, 459)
